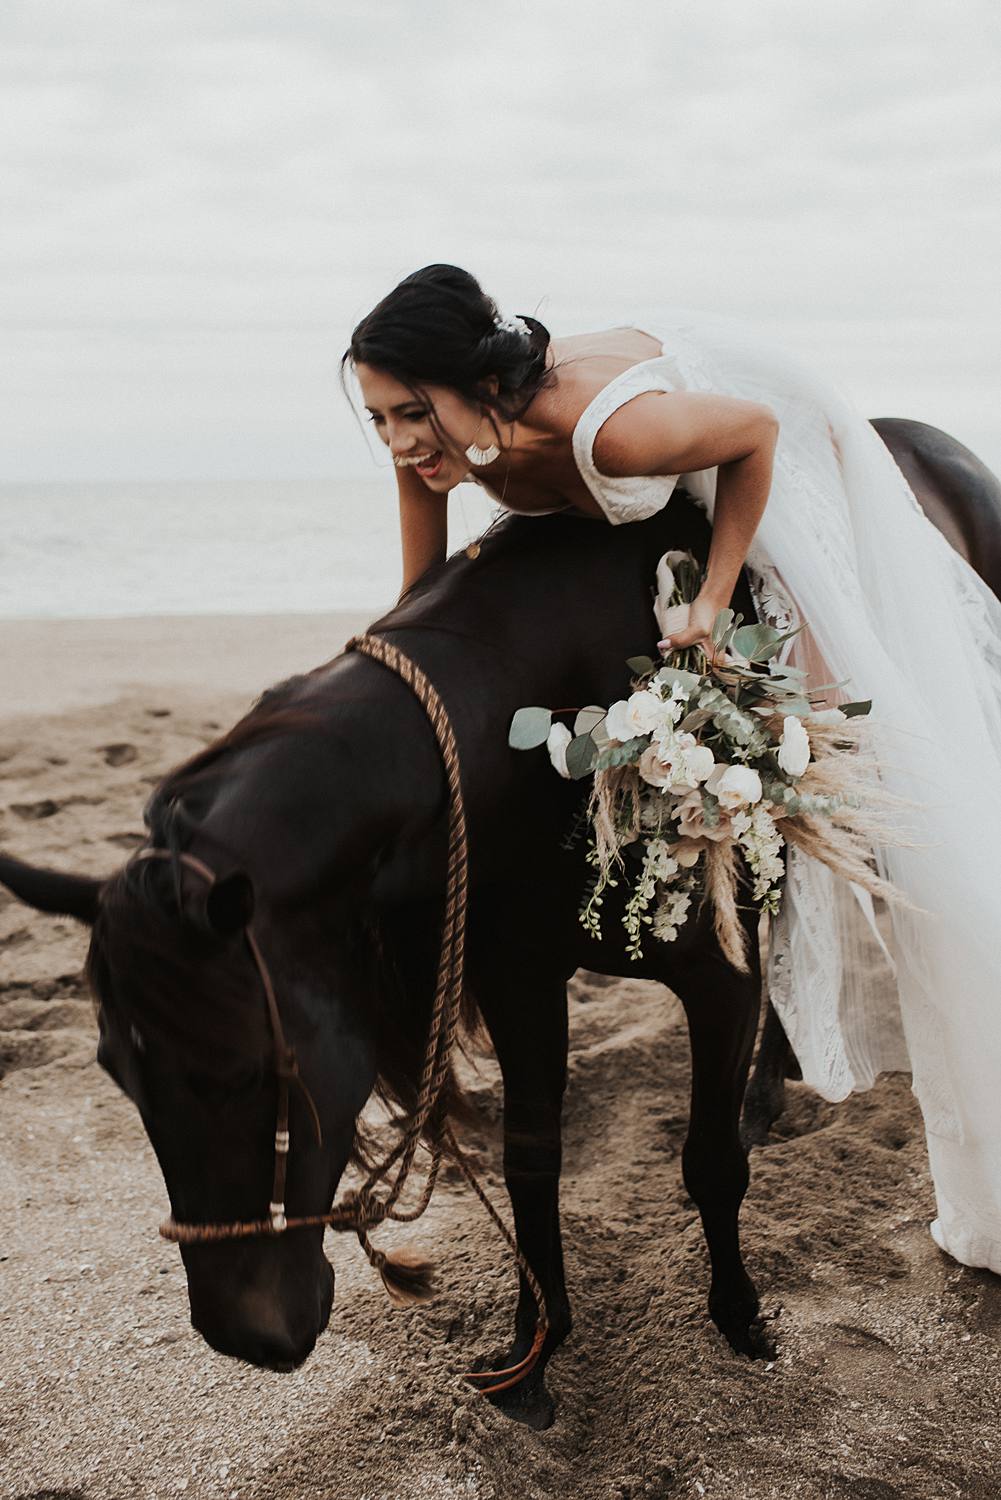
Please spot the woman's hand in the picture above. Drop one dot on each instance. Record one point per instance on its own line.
(691, 624)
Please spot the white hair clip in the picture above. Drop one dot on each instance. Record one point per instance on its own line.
(514, 325)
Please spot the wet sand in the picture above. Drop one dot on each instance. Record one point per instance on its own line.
(888, 1377)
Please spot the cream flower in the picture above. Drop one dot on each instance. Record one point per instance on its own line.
(699, 763)
(618, 725)
(647, 711)
(556, 743)
(687, 853)
(735, 786)
(655, 772)
(642, 713)
(794, 747)
(692, 824)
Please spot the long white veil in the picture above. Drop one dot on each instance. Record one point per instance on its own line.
(891, 607)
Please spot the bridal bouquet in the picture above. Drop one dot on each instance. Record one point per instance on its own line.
(711, 763)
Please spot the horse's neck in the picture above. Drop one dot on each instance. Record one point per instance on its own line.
(313, 808)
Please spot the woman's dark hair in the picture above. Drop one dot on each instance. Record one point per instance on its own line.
(438, 327)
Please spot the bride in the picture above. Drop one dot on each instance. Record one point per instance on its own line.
(801, 491)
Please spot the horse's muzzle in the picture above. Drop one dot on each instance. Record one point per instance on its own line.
(258, 1325)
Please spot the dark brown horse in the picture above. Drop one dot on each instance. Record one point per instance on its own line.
(323, 815)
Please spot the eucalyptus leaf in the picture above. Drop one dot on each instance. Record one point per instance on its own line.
(530, 728)
(582, 753)
(621, 755)
(600, 735)
(639, 665)
(750, 640)
(855, 710)
(672, 676)
(721, 625)
(790, 635)
(588, 718)
(767, 652)
(786, 673)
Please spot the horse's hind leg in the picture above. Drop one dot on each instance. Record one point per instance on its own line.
(722, 1010)
(765, 1099)
(525, 1011)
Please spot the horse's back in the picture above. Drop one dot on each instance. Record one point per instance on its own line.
(956, 491)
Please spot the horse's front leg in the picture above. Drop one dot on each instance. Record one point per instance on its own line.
(722, 1010)
(526, 1014)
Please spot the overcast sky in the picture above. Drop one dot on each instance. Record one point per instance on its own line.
(199, 200)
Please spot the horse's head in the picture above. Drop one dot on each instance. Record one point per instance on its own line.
(185, 1032)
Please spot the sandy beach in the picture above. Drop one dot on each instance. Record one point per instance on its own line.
(888, 1377)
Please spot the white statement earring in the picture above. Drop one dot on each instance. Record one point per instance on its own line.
(482, 456)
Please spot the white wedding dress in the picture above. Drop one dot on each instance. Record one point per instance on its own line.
(892, 608)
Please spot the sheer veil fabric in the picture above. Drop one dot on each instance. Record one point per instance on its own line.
(890, 607)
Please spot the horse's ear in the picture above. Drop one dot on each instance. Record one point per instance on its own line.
(229, 904)
(52, 891)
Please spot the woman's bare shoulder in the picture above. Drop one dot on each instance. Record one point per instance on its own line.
(583, 364)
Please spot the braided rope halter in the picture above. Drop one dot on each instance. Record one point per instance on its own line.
(361, 1208)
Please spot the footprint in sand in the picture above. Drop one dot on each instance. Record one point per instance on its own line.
(119, 755)
(125, 840)
(34, 1049)
(47, 808)
(32, 811)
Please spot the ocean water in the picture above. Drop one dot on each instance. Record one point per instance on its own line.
(92, 550)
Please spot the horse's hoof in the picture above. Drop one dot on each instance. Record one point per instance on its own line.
(736, 1314)
(527, 1402)
(752, 1339)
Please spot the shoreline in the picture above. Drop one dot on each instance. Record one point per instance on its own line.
(51, 666)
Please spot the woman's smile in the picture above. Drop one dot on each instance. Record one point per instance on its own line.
(426, 464)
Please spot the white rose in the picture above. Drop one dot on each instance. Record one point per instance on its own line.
(794, 747)
(699, 763)
(617, 722)
(735, 786)
(646, 711)
(639, 714)
(556, 743)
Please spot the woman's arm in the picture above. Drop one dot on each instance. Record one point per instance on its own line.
(423, 526)
(677, 432)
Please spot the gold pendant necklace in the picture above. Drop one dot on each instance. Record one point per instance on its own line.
(473, 548)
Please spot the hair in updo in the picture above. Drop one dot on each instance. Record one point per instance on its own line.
(438, 327)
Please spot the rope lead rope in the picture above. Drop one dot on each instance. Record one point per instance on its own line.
(444, 1022)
